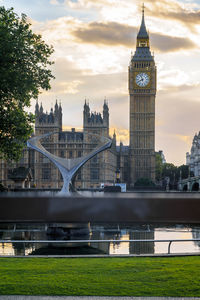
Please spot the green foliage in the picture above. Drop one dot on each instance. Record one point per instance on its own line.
(164, 170)
(159, 167)
(24, 60)
(170, 170)
(139, 276)
(144, 182)
(184, 171)
(174, 172)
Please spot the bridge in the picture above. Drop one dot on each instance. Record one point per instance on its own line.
(189, 184)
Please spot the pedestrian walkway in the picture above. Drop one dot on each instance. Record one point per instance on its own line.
(90, 298)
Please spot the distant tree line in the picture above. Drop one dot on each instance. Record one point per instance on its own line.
(166, 174)
(169, 172)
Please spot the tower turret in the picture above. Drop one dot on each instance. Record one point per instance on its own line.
(106, 113)
(60, 116)
(114, 139)
(60, 108)
(47, 122)
(86, 113)
(41, 108)
(56, 108)
(36, 108)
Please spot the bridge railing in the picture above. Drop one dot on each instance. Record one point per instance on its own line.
(169, 241)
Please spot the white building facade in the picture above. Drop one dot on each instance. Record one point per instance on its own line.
(193, 158)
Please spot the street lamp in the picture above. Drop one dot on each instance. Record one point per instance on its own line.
(117, 175)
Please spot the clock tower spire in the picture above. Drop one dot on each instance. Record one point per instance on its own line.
(142, 91)
(142, 34)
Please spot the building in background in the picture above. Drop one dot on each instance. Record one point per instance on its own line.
(69, 144)
(130, 163)
(193, 158)
(142, 90)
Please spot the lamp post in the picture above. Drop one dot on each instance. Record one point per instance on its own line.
(117, 175)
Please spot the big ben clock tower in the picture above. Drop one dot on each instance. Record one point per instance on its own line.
(142, 90)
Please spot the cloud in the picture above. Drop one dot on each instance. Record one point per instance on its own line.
(171, 78)
(82, 4)
(111, 34)
(67, 87)
(165, 43)
(185, 138)
(116, 34)
(177, 113)
(122, 134)
(186, 13)
(182, 12)
(72, 85)
(54, 2)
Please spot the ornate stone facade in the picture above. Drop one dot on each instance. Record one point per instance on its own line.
(69, 144)
(193, 158)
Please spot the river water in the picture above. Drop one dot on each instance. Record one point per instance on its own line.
(90, 231)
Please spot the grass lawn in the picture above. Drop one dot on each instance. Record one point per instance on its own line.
(172, 276)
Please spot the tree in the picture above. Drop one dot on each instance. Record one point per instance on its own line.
(24, 62)
(159, 167)
(144, 182)
(183, 171)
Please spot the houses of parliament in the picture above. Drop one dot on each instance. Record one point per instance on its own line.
(134, 161)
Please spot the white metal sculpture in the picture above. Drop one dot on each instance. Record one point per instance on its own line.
(68, 167)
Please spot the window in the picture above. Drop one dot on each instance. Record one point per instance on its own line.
(79, 177)
(45, 160)
(94, 160)
(94, 174)
(143, 44)
(62, 153)
(46, 173)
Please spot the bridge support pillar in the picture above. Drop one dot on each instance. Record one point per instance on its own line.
(189, 185)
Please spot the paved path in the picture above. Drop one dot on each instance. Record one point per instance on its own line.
(89, 298)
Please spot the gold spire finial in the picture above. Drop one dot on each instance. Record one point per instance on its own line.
(143, 7)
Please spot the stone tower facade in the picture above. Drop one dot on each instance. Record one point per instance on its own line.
(67, 144)
(47, 122)
(94, 122)
(142, 91)
(103, 166)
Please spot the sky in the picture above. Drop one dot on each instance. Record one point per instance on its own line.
(93, 41)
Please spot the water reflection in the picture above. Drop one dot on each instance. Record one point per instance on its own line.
(142, 247)
(119, 232)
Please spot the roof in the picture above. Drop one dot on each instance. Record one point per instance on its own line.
(142, 53)
(143, 34)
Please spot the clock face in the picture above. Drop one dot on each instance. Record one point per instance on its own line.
(142, 79)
